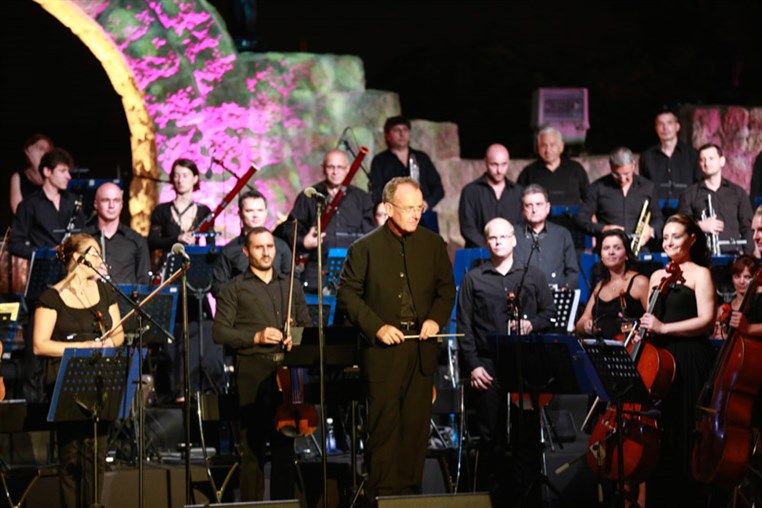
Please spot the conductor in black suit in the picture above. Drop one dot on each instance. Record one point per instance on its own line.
(397, 282)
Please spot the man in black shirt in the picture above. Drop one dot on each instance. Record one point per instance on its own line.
(730, 215)
(565, 180)
(671, 164)
(482, 310)
(252, 209)
(352, 219)
(617, 200)
(252, 310)
(124, 250)
(401, 160)
(489, 196)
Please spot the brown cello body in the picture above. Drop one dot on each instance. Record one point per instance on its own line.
(293, 417)
(723, 442)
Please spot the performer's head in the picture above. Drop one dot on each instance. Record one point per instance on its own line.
(379, 214)
(500, 238)
(54, 168)
(252, 209)
(184, 176)
(756, 227)
(710, 159)
(109, 202)
(622, 162)
(614, 250)
(550, 145)
(75, 247)
(335, 167)
(35, 147)
(742, 271)
(397, 132)
(683, 240)
(260, 249)
(497, 160)
(404, 204)
(535, 205)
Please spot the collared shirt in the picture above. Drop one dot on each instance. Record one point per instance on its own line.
(247, 305)
(567, 185)
(352, 219)
(482, 307)
(39, 225)
(386, 165)
(555, 254)
(126, 254)
(606, 200)
(231, 261)
(670, 175)
(479, 205)
(731, 205)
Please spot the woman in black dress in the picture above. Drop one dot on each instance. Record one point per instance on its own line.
(621, 296)
(681, 322)
(174, 222)
(73, 313)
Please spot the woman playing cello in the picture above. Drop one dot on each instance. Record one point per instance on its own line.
(680, 323)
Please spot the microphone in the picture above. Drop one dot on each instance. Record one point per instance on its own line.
(83, 257)
(178, 249)
(310, 192)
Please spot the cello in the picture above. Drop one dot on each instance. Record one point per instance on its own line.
(722, 446)
(293, 417)
(642, 434)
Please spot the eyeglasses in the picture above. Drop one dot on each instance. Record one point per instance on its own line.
(502, 238)
(410, 210)
(337, 168)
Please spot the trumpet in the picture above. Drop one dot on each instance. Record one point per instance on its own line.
(712, 239)
(637, 238)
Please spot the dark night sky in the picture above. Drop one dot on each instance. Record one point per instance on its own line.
(473, 63)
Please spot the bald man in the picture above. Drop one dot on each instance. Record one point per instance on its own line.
(489, 196)
(353, 217)
(124, 250)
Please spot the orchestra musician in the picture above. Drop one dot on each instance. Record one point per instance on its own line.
(352, 219)
(621, 295)
(483, 309)
(756, 229)
(680, 323)
(397, 281)
(252, 310)
(74, 313)
(174, 222)
(741, 271)
(28, 180)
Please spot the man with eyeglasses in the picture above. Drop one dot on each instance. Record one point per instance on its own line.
(124, 250)
(397, 288)
(489, 196)
(353, 217)
(483, 309)
(616, 200)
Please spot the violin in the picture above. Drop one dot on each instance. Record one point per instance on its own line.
(641, 433)
(293, 417)
(722, 447)
(2, 382)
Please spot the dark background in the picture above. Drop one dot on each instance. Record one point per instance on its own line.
(474, 63)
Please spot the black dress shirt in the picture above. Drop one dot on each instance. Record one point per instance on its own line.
(231, 261)
(126, 254)
(39, 225)
(386, 165)
(555, 254)
(247, 305)
(479, 205)
(482, 307)
(670, 175)
(567, 185)
(164, 230)
(352, 219)
(731, 205)
(607, 202)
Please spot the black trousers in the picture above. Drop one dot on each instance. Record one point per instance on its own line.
(399, 415)
(259, 397)
(75, 456)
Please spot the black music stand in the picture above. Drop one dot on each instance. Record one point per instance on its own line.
(44, 270)
(567, 303)
(535, 364)
(96, 385)
(331, 273)
(162, 308)
(620, 383)
(199, 282)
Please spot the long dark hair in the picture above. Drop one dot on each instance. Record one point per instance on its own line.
(630, 262)
(699, 250)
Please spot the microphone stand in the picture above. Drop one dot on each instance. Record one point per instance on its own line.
(321, 349)
(137, 308)
(186, 384)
